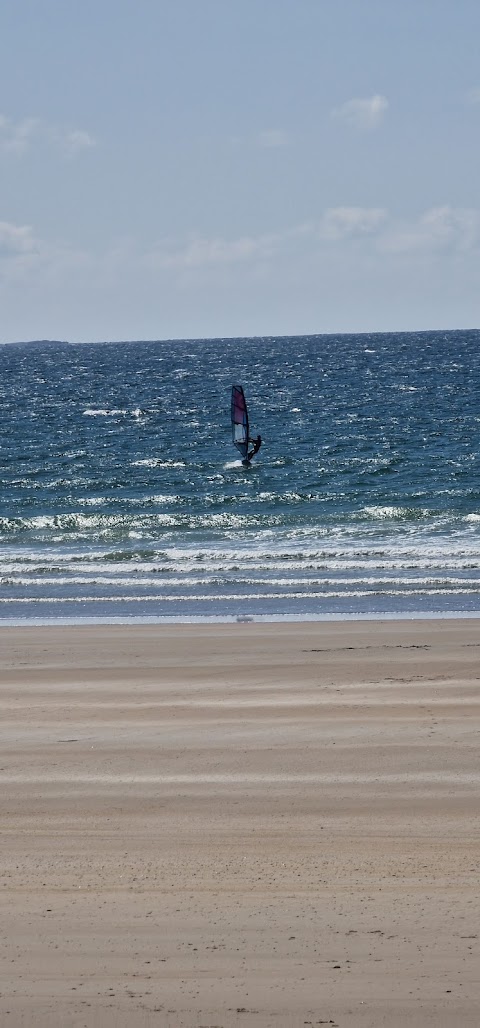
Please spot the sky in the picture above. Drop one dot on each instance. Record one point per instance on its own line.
(211, 168)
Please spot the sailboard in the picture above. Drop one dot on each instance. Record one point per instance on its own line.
(240, 420)
(240, 427)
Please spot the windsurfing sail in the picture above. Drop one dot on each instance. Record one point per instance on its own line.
(239, 420)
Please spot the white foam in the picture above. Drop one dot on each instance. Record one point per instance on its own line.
(156, 462)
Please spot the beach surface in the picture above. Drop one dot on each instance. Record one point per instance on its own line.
(244, 824)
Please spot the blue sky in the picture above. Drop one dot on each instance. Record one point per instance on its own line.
(192, 168)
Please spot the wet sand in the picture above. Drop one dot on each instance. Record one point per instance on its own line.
(253, 825)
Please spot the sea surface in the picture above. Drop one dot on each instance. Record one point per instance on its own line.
(122, 496)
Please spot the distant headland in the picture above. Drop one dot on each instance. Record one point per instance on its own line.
(39, 342)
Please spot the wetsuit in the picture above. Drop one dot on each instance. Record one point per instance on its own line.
(255, 448)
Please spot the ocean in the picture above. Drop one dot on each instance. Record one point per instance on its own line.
(122, 496)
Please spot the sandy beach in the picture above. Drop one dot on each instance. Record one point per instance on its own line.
(244, 824)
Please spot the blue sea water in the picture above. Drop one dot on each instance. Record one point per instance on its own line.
(121, 495)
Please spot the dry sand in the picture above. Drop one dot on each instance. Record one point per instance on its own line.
(242, 825)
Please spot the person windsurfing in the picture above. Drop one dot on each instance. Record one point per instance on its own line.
(255, 448)
(240, 427)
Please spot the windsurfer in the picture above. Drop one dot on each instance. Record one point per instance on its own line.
(240, 432)
(255, 448)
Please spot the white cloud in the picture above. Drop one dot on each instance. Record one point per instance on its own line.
(16, 137)
(77, 140)
(203, 252)
(216, 251)
(342, 222)
(16, 240)
(439, 230)
(335, 246)
(363, 114)
(195, 285)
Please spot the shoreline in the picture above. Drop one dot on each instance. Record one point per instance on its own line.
(220, 619)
